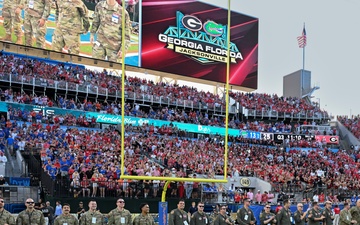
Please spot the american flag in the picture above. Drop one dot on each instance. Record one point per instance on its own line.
(302, 39)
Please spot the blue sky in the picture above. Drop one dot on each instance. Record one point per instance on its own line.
(332, 52)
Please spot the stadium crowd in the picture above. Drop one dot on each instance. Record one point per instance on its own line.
(161, 151)
(24, 70)
(89, 158)
(352, 124)
(163, 113)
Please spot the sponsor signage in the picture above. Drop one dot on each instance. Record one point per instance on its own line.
(180, 35)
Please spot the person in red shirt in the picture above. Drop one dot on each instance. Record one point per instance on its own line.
(278, 208)
(322, 197)
(337, 215)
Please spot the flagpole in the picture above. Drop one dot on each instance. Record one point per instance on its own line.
(303, 66)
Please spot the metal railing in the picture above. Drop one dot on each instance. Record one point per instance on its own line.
(88, 88)
(270, 114)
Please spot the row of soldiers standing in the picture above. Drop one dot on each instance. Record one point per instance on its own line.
(72, 19)
(117, 216)
(313, 216)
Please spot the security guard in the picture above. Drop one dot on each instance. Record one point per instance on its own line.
(245, 215)
(328, 214)
(144, 218)
(30, 215)
(120, 215)
(266, 217)
(199, 217)
(6, 217)
(66, 217)
(179, 216)
(92, 216)
(300, 215)
(315, 217)
(223, 218)
(284, 215)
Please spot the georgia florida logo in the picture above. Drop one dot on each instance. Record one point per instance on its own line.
(204, 42)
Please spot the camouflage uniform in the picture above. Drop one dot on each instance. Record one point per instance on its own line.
(355, 214)
(107, 24)
(72, 20)
(11, 20)
(115, 217)
(66, 219)
(345, 217)
(34, 11)
(93, 218)
(144, 220)
(36, 217)
(6, 218)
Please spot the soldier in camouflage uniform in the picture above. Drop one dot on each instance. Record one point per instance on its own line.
(199, 217)
(300, 215)
(355, 212)
(5, 216)
(345, 216)
(36, 14)
(120, 215)
(30, 215)
(92, 216)
(12, 20)
(107, 24)
(72, 19)
(179, 216)
(266, 217)
(66, 217)
(144, 218)
(328, 214)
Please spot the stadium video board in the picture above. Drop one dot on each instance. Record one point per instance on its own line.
(190, 38)
(73, 27)
(187, 38)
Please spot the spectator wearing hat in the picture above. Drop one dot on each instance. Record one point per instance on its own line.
(328, 214)
(144, 218)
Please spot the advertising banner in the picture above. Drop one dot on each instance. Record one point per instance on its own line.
(328, 139)
(116, 119)
(189, 38)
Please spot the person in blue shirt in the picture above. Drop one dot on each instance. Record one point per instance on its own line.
(10, 145)
(58, 209)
